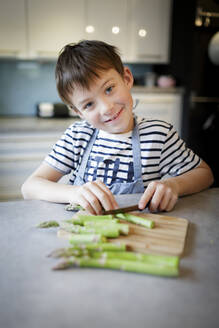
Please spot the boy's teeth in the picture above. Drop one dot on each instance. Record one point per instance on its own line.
(114, 117)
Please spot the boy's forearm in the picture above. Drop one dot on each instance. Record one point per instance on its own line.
(93, 196)
(42, 189)
(192, 181)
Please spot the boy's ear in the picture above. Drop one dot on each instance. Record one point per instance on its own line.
(128, 77)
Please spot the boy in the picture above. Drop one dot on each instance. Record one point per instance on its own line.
(111, 151)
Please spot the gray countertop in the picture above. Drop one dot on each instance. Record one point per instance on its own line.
(32, 295)
(11, 126)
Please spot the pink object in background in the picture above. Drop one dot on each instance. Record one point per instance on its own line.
(166, 81)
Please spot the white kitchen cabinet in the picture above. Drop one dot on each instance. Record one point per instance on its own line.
(107, 21)
(142, 26)
(52, 24)
(161, 106)
(35, 29)
(149, 30)
(13, 32)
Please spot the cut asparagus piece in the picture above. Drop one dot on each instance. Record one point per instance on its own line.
(81, 220)
(48, 224)
(99, 246)
(122, 227)
(136, 219)
(86, 238)
(106, 231)
(73, 207)
(95, 217)
(118, 264)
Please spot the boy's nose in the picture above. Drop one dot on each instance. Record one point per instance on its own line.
(106, 106)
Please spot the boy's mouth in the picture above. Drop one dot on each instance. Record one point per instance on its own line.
(114, 117)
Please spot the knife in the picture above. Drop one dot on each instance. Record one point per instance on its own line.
(122, 210)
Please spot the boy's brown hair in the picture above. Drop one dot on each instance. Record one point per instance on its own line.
(79, 64)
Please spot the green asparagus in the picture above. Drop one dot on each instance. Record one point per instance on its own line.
(67, 252)
(91, 218)
(102, 246)
(106, 230)
(118, 264)
(119, 255)
(122, 227)
(73, 207)
(131, 256)
(86, 239)
(48, 224)
(136, 219)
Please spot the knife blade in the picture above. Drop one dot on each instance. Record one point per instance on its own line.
(122, 210)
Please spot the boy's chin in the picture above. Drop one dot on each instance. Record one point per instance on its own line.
(114, 129)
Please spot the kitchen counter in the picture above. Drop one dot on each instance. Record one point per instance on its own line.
(31, 125)
(32, 295)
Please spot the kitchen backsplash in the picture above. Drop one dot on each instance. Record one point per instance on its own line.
(24, 84)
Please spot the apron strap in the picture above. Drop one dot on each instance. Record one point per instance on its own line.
(87, 151)
(136, 149)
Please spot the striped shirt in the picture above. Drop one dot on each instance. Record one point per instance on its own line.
(163, 153)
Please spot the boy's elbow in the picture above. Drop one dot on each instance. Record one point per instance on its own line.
(25, 190)
(209, 174)
(211, 178)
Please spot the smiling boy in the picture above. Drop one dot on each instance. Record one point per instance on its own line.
(111, 151)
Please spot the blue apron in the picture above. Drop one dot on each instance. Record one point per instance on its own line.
(134, 187)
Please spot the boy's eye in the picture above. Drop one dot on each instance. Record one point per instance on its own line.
(88, 105)
(109, 89)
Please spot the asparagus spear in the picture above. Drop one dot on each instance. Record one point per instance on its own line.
(107, 231)
(67, 252)
(136, 219)
(85, 217)
(91, 218)
(85, 249)
(99, 246)
(117, 254)
(48, 224)
(87, 238)
(73, 207)
(122, 227)
(118, 264)
(122, 255)
(131, 256)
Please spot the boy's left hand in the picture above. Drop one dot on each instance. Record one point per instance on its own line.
(160, 195)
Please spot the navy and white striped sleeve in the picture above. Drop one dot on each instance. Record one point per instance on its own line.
(176, 157)
(69, 149)
(61, 157)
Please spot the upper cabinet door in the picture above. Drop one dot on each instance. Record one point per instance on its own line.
(149, 30)
(13, 36)
(52, 24)
(107, 21)
(41, 28)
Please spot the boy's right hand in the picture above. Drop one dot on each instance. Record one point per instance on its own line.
(95, 197)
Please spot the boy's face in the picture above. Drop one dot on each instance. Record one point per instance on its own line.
(107, 105)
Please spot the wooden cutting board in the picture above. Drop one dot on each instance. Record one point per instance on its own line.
(167, 237)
